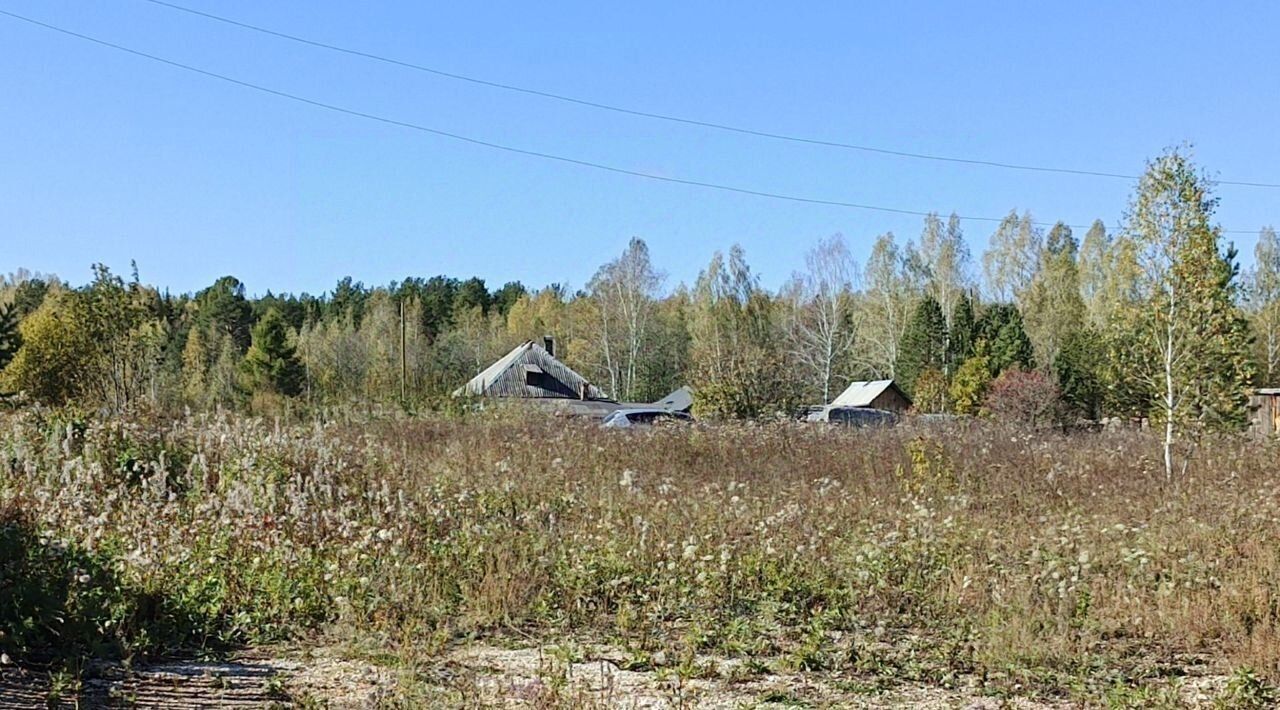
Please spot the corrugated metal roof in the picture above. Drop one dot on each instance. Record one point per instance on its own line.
(862, 393)
(679, 401)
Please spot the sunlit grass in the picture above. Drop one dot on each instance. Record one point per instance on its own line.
(1039, 563)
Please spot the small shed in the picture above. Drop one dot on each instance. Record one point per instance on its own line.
(530, 371)
(875, 394)
(1265, 404)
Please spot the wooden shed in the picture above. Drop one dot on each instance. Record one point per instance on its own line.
(530, 371)
(875, 394)
(1265, 404)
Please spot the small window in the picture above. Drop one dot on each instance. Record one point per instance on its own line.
(534, 375)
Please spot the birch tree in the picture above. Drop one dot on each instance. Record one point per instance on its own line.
(1052, 308)
(1264, 305)
(1093, 269)
(821, 327)
(738, 370)
(1013, 252)
(886, 303)
(626, 289)
(946, 259)
(1191, 326)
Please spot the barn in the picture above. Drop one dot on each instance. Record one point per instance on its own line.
(875, 394)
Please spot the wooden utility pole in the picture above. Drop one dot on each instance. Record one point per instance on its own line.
(403, 361)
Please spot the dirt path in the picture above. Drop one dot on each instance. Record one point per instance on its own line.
(485, 676)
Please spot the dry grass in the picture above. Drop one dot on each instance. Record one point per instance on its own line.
(1035, 565)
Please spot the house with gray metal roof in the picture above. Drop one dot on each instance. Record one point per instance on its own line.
(874, 394)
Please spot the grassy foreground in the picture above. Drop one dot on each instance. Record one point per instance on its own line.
(1047, 565)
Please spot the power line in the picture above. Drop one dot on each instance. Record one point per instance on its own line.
(667, 117)
(498, 146)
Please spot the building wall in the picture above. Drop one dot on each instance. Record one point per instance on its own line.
(1266, 413)
(892, 401)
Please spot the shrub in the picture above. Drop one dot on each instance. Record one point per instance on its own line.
(931, 392)
(969, 386)
(62, 604)
(1027, 398)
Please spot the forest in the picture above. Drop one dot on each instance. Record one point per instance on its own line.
(1047, 325)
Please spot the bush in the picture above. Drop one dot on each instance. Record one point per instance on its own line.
(60, 604)
(1027, 398)
(931, 392)
(969, 386)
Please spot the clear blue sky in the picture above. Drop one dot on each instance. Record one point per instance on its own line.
(108, 157)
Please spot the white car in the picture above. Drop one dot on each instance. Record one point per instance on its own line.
(625, 418)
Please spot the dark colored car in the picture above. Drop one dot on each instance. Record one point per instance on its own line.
(855, 416)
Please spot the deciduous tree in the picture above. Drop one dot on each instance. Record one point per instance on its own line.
(821, 324)
(1190, 325)
(1011, 257)
(886, 303)
(1053, 309)
(969, 385)
(1264, 306)
(625, 291)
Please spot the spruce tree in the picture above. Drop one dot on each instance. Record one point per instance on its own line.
(963, 333)
(1079, 369)
(1003, 340)
(272, 363)
(923, 344)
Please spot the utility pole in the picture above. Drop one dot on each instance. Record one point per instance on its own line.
(403, 362)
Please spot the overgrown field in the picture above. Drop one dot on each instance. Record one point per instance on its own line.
(1045, 565)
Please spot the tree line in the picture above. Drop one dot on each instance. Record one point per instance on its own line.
(1153, 321)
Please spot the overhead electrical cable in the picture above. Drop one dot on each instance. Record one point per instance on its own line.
(667, 117)
(499, 146)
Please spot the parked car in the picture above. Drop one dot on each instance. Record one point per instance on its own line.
(624, 418)
(855, 416)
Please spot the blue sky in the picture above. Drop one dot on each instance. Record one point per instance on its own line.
(108, 157)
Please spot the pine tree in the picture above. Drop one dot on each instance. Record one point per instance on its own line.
(923, 344)
(222, 309)
(272, 362)
(9, 337)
